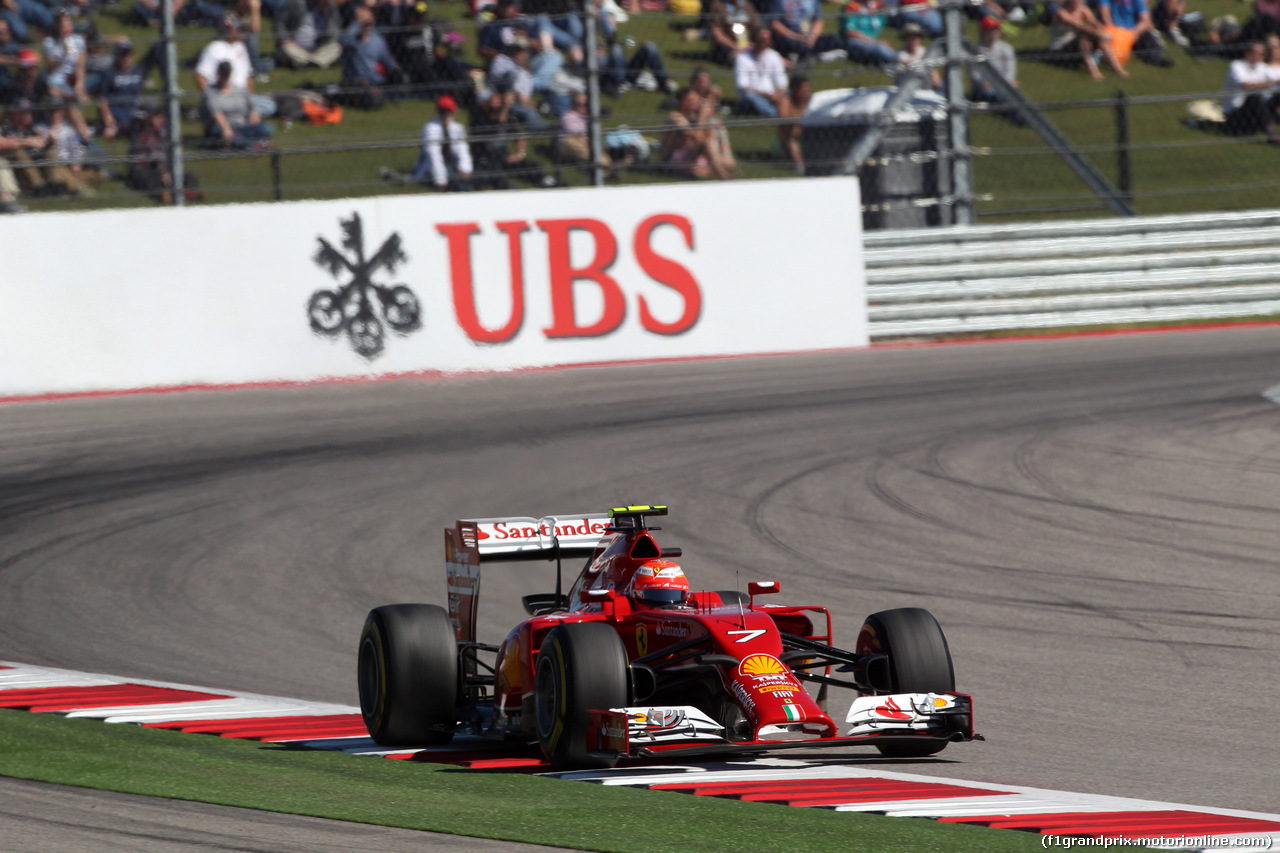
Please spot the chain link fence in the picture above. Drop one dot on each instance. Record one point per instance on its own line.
(328, 139)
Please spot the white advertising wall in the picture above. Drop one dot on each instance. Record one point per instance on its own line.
(302, 291)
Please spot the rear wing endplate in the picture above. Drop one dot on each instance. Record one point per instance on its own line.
(474, 541)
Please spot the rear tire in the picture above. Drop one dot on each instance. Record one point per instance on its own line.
(408, 674)
(919, 662)
(581, 666)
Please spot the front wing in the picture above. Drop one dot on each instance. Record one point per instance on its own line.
(872, 720)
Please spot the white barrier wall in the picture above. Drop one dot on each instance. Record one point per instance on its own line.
(301, 291)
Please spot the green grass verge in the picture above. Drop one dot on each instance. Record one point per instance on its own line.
(414, 795)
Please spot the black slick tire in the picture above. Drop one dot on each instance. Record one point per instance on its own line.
(919, 661)
(408, 675)
(581, 666)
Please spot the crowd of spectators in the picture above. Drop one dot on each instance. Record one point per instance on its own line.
(519, 100)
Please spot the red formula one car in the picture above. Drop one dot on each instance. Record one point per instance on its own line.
(632, 663)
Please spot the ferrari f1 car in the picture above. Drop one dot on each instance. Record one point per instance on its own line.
(631, 663)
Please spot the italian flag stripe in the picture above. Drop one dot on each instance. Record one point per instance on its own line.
(792, 711)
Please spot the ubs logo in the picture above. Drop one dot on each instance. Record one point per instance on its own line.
(362, 308)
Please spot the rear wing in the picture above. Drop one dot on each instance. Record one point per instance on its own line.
(487, 540)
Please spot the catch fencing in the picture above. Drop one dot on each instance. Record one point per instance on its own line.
(1059, 275)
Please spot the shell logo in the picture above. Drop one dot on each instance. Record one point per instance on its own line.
(762, 665)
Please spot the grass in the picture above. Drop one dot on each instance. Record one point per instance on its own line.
(430, 797)
(1174, 168)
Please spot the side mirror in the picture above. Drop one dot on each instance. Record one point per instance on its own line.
(762, 588)
(611, 603)
(544, 602)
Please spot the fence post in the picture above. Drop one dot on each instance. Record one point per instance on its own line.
(276, 182)
(1122, 146)
(593, 93)
(173, 108)
(958, 114)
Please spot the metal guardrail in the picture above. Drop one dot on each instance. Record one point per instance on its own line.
(992, 278)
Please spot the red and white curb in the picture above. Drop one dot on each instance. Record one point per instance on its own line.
(1057, 816)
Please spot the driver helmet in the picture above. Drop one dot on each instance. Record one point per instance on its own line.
(659, 583)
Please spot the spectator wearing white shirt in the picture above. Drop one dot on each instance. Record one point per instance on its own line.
(1251, 102)
(445, 155)
(761, 76)
(65, 53)
(229, 47)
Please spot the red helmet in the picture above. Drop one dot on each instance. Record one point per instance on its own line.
(659, 583)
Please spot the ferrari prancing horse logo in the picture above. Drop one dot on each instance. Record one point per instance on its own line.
(642, 640)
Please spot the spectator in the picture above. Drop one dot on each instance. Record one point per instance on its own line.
(1001, 60)
(307, 34)
(431, 57)
(1272, 48)
(498, 33)
(20, 15)
(445, 156)
(201, 13)
(99, 57)
(697, 144)
(65, 55)
(798, 31)
(500, 147)
(29, 83)
(9, 50)
(509, 72)
(1172, 18)
(11, 147)
(793, 106)
(1250, 102)
(250, 14)
(367, 63)
(229, 47)
(118, 92)
(918, 12)
(230, 116)
(549, 80)
(645, 70)
(149, 161)
(572, 145)
(8, 186)
(910, 57)
(1076, 31)
(26, 145)
(1134, 17)
(760, 75)
(861, 24)
(729, 26)
(1265, 21)
(707, 91)
(68, 149)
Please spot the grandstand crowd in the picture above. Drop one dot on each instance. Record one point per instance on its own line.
(68, 85)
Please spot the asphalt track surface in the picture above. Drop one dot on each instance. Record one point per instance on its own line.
(1094, 521)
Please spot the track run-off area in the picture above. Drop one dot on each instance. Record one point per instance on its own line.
(1093, 521)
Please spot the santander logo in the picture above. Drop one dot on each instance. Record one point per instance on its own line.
(505, 531)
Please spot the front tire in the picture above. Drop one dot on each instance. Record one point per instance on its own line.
(408, 674)
(581, 666)
(919, 661)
